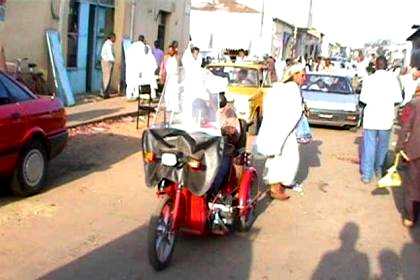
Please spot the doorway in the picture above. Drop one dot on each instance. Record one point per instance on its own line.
(101, 24)
(163, 19)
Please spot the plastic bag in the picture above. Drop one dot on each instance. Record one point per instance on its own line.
(392, 177)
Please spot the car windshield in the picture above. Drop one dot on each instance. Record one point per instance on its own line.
(325, 83)
(192, 106)
(241, 76)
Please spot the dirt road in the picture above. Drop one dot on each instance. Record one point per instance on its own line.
(91, 223)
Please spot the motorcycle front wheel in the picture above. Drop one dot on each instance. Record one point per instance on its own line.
(247, 218)
(161, 239)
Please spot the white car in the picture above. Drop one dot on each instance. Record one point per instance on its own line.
(331, 100)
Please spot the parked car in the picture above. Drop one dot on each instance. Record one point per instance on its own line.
(32, 132)
(246, 89)
(331, 100)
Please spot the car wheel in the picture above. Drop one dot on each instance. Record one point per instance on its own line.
(31, 170)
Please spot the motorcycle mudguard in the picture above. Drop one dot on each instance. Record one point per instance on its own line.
(195, 213)
(245, 188)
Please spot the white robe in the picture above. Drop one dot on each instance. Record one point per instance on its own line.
(133, 61)
(148, 68)
(171, 89)
(282, 111)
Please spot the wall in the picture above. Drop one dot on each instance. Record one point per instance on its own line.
(279, 49)
(23, 32)
(146, 20)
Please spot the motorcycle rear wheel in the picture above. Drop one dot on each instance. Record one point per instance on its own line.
(160, 238)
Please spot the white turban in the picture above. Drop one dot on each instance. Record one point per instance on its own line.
(296, 68)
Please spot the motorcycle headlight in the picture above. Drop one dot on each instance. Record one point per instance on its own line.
(169, 159)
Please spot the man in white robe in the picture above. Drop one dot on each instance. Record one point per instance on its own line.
(172, 86)
(148, 68)
(276, 139)
(133, 61)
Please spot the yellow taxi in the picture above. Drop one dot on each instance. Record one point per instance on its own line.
(247, 84)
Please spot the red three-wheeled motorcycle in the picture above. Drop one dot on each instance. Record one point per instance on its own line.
(205, 185)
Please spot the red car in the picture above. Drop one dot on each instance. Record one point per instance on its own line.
(32, 131)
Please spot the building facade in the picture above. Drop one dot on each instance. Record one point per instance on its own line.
(308, 43)
(283, 39)
(83, 26)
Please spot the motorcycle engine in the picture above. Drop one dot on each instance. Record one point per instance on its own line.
(222, 215)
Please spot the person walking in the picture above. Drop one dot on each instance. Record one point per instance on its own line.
(409, 143)
(171, 88)
(276, 139)
(270, 63)
(380, 93)
(148, 68)
(157, 53)
(241, 57)
(133, 61)
(107, 64)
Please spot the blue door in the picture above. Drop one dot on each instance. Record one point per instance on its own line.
(98, 38)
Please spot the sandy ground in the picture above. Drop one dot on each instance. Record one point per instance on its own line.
(91, 222)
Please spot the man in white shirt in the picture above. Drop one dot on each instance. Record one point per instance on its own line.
(381, 92)
(107, 63)
(241, 58)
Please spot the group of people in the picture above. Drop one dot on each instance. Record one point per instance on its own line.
(142, 63)
(382, 91)
(382, 95)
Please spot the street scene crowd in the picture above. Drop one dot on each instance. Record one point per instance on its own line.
(297, 148)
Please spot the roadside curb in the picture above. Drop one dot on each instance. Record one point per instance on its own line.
(103, 118)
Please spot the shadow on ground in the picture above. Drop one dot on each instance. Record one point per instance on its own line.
(404, 265)
(212, 257)
(345, 262)
(84, 155)
(309, 157)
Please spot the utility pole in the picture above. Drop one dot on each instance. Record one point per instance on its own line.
(262, 17)
(310, 15)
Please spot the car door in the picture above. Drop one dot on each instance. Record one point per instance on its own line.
(12, 129)
(36, 112)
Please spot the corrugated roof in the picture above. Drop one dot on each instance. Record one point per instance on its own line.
(224, 5)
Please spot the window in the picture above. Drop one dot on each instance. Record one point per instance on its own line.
(72, 34)
(16, 92)
(4, 97)
(237, 75)
(323, 83)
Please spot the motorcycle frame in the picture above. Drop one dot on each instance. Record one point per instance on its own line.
(191, 213)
